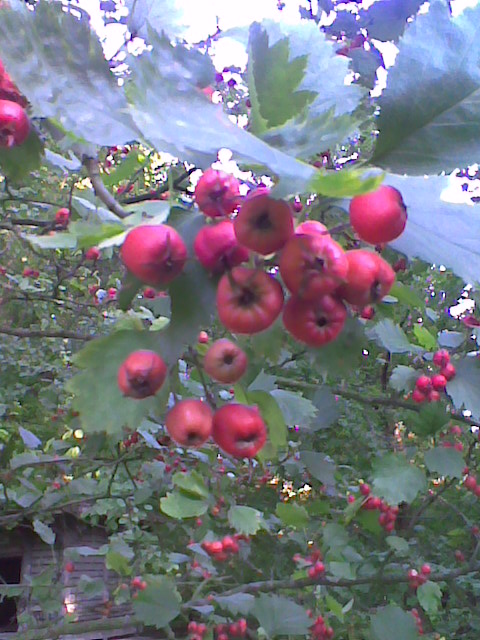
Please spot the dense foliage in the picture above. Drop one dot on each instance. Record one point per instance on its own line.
(339, 496)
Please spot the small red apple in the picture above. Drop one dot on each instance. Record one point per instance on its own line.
(225, 361)
(217, 193)
(311, 227)
(142, 374)
(14, 124)
(369, 278)
(239, 430)
(263, 224)
(217, 248)
(189, 422)
(62, 217)
(155, 254)
(379, 216)
(314, 323)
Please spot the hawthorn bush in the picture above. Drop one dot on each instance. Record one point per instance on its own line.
(259, 382)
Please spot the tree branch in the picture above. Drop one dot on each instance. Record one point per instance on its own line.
(101, 191)
(161, 190)
(34, 333)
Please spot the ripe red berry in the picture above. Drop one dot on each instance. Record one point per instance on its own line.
(62, 217)
(92, 254)
(426, 569)
(367, 313)
(470, 483)
(441, 358)
(149, 293)
(369, 278)
(203, 337)
(239, 430)
(418, 396)
(379, 216)
(448, 371)
(225, 361)
(189, 422)
(314, 323)
(439, 382)
(217, 248)
(142, 374)
(433, 396)
(365, 489)
(311, 227)
(14, 124)
(423, 384)
(69, 567)
(217, 193)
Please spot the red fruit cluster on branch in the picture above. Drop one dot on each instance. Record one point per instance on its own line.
(428, 388)
(388, 514)
(417, 578)
(418, 621)
(14, 122)
(320, 631)
(233, 630)
(222, 550)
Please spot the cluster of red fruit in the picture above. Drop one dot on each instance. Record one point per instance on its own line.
(30, 273)
(14, 122)
(222, 550)
(417, 578)
(455, 431)
(470, 483)
(236, 629)
(388, 514)
(315, 269)
(313, 561)
(418, 621)
(320, 631)
(138, 584)
(237, 429)
(428, 388)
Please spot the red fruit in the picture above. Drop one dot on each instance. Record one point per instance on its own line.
(369, 278)
(439, 382)
(365, 489)
(192, 627)
(137, 582)
(69, 567)
(470, 483)
(203, 337)
(62, 217)
(448, 371)
(149, 293)
(400, 265)
(350, 499)
(433, 396)
(423, 384)
(314, 323)
(312, 265)
(112, 293)
(14, 124)
(372, 504)
(263, 224)
(441, 358)
(242, 627)
(189, 422)
(389, 527)
(92, 254)
(418, 396)
(215, 548)
(225, 361)
(142, 374)
(311, 227)
(217, 248)
(217, 193)
(459, 555)
(229, 544)
(223, 636)
(155, 254)
(456, 430)
(367, 313)
(426, 569)
(248, 300)
(379, 216)
(239, 430)
(297, 206)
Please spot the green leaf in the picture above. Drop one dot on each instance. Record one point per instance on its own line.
(238, 603)
(393, 623)
(245, 520)
(400, 545)
(90, 587)
(344, 354)
(429, 596)
(328, 409)
(335, 607)
(289, 108)
(272, 414)
(279, 616)
(319, 466)
(292, 514)
(191, 127)
(180, 505)
(396, 480)
(429, 119)
(445, 461)
(116, 561)
(335, 536)
(17, 162)
(387, 20)
(403, 378)
(44, 532)
(124, 170)
(431, 419)
(390, 336)
(100, 360)
(424, 337)
(159, 603)
(191, 482)
(295, 408)
(463, 389)
(406, 295)
(346, 183)
(450, 339)
(58, 62)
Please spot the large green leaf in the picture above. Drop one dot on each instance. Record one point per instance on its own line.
(17, 162)
(180, 505)
(396, 480)
(190, 126)
(430, 597)
(279, 616)
(393, 623)
(320, 466)
(438, 231)
(392, 337)
(445, 461)
(429, 119)
(159, 603)
(300, 102)
(346, 183)
(464, 388)
(245, 520)
(109, 410)
(58, 62)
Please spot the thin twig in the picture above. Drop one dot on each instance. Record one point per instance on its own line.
(101, 191)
